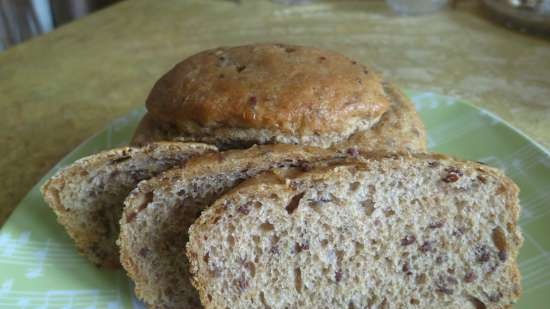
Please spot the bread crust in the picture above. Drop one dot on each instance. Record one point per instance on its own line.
(399, 129)
(286, 92)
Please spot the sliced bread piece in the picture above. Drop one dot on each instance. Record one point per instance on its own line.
(395, 232)
(159, 212)
(87, 196)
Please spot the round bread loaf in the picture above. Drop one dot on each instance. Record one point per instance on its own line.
(268, 93)
(400, 129)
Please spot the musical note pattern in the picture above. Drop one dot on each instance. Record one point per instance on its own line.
(35, 255)
(33, 259)
(43, 270)
(63, 299)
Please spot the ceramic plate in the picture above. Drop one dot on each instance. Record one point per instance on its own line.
(40, 268)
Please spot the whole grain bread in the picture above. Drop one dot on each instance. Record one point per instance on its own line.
(390, 232)
(399, 129)
(159, 211)
(87, 196)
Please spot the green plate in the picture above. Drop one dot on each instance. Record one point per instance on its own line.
(40, 268)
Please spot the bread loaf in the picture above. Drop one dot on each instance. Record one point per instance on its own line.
(275, 93)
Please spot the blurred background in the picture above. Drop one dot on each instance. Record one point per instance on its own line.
(21, 20)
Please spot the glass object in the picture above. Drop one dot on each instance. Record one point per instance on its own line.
(416, 7)
(531, 16)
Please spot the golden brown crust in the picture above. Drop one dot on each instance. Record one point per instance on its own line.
(400, 129)
(281, 88)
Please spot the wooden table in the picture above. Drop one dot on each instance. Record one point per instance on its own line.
(58, 89)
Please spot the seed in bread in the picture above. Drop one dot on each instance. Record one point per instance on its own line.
(87, 196)
(395, 232)
(159, 212)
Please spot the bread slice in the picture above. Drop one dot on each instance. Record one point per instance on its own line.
(391, 232)
(159, 212)
(400, 129)
(87, 196)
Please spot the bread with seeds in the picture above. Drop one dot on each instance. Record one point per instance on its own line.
(87, 196)
(422, 231)
(159, 212)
